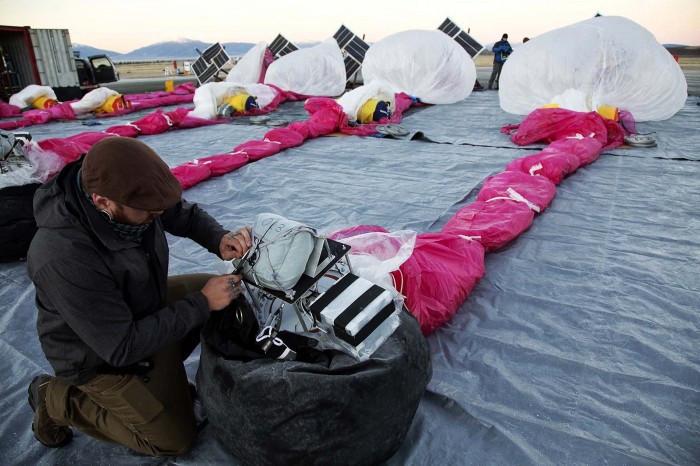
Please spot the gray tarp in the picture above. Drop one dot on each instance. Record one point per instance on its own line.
(578, 346)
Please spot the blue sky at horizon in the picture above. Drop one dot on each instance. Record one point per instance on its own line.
(125, 25)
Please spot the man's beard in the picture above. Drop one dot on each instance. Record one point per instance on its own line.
(119, 216)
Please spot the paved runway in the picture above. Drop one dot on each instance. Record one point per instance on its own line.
(132, 86)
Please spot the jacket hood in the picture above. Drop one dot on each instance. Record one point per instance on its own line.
(57, 203)
(61, 203)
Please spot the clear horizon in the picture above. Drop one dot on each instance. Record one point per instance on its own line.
(127, 25)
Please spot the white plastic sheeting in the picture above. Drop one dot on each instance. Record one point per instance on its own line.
(92, 100)
(209, 96)
(29, 94)
(352, 101)
(42, 165)
(608, 60)
(248, 68)
(424, 64)
(314, 71)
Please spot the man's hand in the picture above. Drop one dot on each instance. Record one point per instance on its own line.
(221, 290)
(235, 243)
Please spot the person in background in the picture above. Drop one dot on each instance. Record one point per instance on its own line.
(113, 325)
(501, 50)
(525, 39)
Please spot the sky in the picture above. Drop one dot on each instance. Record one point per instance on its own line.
(125, 25)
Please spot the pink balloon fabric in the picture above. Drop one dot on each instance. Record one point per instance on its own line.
(438, 277)
(492, 223)
(538, 190)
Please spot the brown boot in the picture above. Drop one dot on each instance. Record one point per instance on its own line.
(45, 429)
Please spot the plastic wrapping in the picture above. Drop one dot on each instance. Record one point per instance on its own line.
(352, 101)
(428, 65)
(42, 165)
(29, 94)
(374, 255)
(92, 100)
(607, 60)
(314, 71)
(208, 97)
(249, 67)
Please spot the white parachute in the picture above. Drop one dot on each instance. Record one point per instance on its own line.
(429, 65)
(607, 60)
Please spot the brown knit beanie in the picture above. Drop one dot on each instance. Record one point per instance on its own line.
(129, 172)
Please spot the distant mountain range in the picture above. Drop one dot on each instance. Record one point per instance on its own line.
(172, 50)
(187, 49)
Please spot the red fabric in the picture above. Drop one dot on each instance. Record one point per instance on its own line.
(554, 166)
(224, 163)
(126, 131)
(326, 117)
(550, 124)
(301, 128)
(257, 150)
(7, 110)
(191, 173)
(286, 137)
(268, 58)
(71, 148)
(495, 222)
(616, 135)
(438, 277)
(586, 150)
(536, 189)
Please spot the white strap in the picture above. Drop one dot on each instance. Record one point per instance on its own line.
(535, 168)
(513, 195)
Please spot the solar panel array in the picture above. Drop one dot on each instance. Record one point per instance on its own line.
(281, 46)
(210, 62)
(466, 41)
(354, 48)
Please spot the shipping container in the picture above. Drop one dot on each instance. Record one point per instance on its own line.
(45, 57)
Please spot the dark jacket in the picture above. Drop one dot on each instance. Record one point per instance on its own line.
(501, 50)
(101, 299)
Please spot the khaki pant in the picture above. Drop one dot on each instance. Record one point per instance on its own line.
(151, 414)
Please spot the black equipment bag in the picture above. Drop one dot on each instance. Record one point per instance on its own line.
(17, 225)
(325, 409)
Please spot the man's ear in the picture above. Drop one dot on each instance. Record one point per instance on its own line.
(101, 202)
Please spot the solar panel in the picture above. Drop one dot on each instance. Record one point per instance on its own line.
(351, 67)
(343, 36)
(467, 42)
(353, 48)
(210, 62)
(281, 46)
